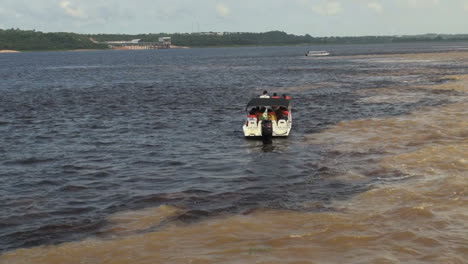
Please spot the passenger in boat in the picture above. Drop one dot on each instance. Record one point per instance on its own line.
(265, 94)
(253, 114)
(275, 96)
(283, 113)
(261, 115)
(271, 115)
(286, 97)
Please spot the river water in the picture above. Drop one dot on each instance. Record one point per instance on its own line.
(139, 157)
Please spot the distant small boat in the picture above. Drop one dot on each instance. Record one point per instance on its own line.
(313, 53)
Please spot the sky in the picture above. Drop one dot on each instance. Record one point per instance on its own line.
(314, 17)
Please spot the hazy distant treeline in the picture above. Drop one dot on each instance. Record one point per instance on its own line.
(207, 39)
(272, 38)
(33, 40)
(16, 39)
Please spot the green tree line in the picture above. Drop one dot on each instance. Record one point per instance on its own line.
(25, 40)
(271, 38)
(34, 40)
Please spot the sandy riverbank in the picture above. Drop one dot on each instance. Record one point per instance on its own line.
(145, 48)
(179, 47)
(126, 48)
(9, 51)
(85, 50)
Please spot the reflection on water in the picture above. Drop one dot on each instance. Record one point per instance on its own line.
(369, 175)
(268, 148)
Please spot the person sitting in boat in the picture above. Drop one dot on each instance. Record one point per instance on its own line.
(271, 115)
(261, 114)
(265, 94)
(286, 97)
(252, 114)
(275, 96)
(283, 113)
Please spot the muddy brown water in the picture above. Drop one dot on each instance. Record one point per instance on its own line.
(95, 170)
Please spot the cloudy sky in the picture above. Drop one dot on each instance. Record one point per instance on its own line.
(315, 17)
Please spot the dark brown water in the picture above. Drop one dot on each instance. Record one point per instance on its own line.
(140, 155)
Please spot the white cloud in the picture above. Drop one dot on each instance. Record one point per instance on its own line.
(222, 10)
(303, 2)
(377, 7)
(422, 3)
(328, 8)
(74, 12)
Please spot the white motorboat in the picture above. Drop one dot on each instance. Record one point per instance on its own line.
(268, 117)
(314, 53)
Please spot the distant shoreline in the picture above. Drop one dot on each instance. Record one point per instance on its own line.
(143, 48)
(228, 46)
(82, 50)
(31, 40)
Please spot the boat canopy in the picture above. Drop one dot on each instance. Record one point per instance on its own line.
(268, 102)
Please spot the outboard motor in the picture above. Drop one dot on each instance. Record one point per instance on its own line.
(267, 132)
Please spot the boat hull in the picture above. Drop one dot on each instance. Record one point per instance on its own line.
(281, 128)
(317, 53)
